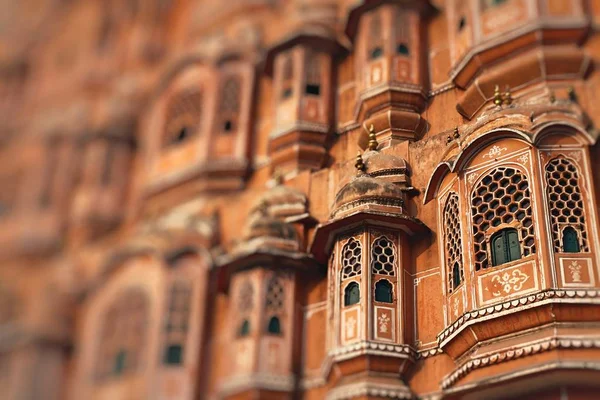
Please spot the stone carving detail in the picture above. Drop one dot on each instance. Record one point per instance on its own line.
(384, 320)
(351, 258)
(455, 307)
(350, 326)
(509, 282)
(575, 270)
(524, 158)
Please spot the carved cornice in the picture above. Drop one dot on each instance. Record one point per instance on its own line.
(519, 352)
(373, 348)
(384, 201)
(279, 383)
(510, 306)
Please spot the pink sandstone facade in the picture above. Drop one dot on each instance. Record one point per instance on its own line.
(300, 199)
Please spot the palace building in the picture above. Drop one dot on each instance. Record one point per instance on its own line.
(300, 199)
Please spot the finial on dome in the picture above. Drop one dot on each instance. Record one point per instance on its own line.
(507, 96)
(359, 165)
(497, 96)
(277, 177)
(373, 144)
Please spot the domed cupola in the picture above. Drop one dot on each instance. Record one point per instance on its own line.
(260, 275)
(370, 297)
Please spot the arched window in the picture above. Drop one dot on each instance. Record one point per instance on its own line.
(403, 25)
(383, 257)
(176, 322)
(505, 246)
(570, 240)
(123, 335)
(462, 22)
(244, 328)
(230, 104)
(501, 197)
(403, 49)
(351, 294)
(565, 202)
(182, 118)
(375, 37)
(287, 83)
(453, 242)
(313, 74)
(383, 291)
(274, 326)
(351, 262)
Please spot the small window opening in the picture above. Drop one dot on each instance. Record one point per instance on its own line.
(376, 53)
(403, 49)
(228, 126)
(274, 326)
(313, 89)
(462, 22)
(245, 328)
(286, 93)
(120, 363)
(174, 355)
(182, 135)
(505, 247)
(456, 278)
(570, 240)
(351, 294)
(383, 291)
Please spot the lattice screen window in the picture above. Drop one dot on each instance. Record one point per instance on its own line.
(245, 305)
(501, 197)
(453, 243)
(375, 40)
(182, 119)
(287, 78)
(383, 257)
(565, 202)
(230, 103)
(313, 73)
(402, 33)
(176, 322)
(274, 304)
(351, 253)
(122, 340)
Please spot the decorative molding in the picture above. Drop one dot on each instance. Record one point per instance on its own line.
(519, 352)
(495, 151)
(428, 353)
(372, 348)
(540, 298)
(281, 383)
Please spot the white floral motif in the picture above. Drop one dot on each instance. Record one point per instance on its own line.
(495, 151)
(575, 269)
(524, 158)
(471, 178)
(350, 325)
(576, 155)
(510, 281)
(384, 320)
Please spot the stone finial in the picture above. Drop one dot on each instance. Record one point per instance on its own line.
(507, 96)
(359, 165)
(455, 133)
(277, 177)
(373, 144)
(448, 139)
(497, 96)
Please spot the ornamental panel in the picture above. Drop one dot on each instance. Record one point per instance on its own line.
(384, 324)
(576, 272)
(350, 325)
(507, 283)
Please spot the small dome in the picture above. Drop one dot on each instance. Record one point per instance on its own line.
(283, 201)
(379, 163)
(270, 227)
(368, 189)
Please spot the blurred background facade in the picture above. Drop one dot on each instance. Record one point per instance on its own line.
(184, 214)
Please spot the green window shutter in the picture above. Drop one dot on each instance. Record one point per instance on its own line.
(456, 278)
(499, 253)
(570, 241)
(174, 355)
(514, 248)
(274, 326)
(119, 363)
(383, 292)
(245, 328)
(351, 294)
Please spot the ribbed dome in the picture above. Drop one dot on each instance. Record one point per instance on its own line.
(365, 187)
(378, 163)
(270, 227)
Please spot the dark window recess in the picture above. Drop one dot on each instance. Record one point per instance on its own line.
(274, 326)
(119, 362)
(456, 276)
(403, 49)
(174, 355)
(182, 135)
(570, 241)
(286, 93)
(108, 166)
(228, 126)
(351, 294)
(462, 22)
(383, 292)
(505, 247)
(245, 328)
(313, 89)
(376, 53)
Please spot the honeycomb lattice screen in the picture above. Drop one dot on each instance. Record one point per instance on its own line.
(274, 298)
(383, 257)
(565, 201)
(351, 253)
(184, 106)
(501, 197)
(453, 240)
(246, 297)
